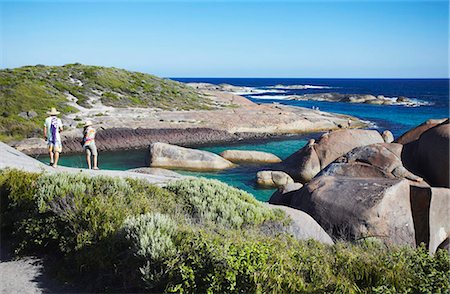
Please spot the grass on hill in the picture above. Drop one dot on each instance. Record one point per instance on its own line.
(197, 236)
(38, 88)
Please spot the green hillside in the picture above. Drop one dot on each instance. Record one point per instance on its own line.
(34, 89)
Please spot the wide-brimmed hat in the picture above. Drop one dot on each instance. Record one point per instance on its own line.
(87, 124)
(53, 111)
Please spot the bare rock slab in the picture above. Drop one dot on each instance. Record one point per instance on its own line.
(354, 208)
(171, 156)
(156, 171)
(249, 156)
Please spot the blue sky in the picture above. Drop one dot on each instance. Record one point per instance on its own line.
(234, 38)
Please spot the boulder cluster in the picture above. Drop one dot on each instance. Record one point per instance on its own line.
(358, 184)
(352, 184)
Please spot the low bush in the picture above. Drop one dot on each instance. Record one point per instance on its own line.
(213, 202)
(196, 236)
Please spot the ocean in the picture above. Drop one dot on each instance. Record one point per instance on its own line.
(430, 96)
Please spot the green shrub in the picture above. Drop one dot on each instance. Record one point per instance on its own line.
(223, 263)
(127, 235)
(213, 202)
(92, 207)
(151, 241)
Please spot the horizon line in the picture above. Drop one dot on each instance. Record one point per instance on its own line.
(328, 78)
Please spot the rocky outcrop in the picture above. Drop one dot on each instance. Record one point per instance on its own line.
(356, 98)
(354, 208)
(303, 226)
(373, 161)
(171, 156)
(303, 165)
(249, 156)
(12, 158)
(428, 156)
(156, 171)
(430, 207)
(28, 114)
(270, 178)
(283, 195)
(128, 138)
(414, 134)
(439, 219)
(32, 146)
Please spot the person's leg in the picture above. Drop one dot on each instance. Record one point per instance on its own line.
(93, 148)
(55, 163)
(88, 157)
(50, 152)
(57, 148)
(95, 162)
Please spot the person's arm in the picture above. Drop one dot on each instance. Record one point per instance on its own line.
(60, 126)
(45, 132)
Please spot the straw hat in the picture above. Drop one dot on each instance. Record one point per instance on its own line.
(87, 123)
(53, 111)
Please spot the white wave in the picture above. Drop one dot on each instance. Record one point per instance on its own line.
(412, 102)
(257, 91)
(277, 97)
(299, 87)
(371, 124)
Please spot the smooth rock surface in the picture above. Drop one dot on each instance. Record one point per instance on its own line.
(354, 208)
(439, 219)
(433, 155)
(12, 158)
(415, 133)
(430, 209)
(156, 171)
(270, 178)
(249, 156)
(171, 156)
(380, 160)
(303, 226)
(306, 163)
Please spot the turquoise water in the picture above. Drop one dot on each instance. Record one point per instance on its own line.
(433, 95)
(242, 177)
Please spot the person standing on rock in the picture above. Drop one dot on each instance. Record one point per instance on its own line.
(52, 127)
(89, 145)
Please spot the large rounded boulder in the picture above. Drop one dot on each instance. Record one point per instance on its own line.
(428, 156)
(381, 160)
(171, 156)
(433, 155)
(249, 156)
(430, 210)
(354, 208)
(306, 163)
(415, 133)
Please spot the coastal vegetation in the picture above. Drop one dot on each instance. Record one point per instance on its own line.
(26, 93)
(195, 235)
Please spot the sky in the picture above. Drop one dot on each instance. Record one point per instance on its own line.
(322, 39)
